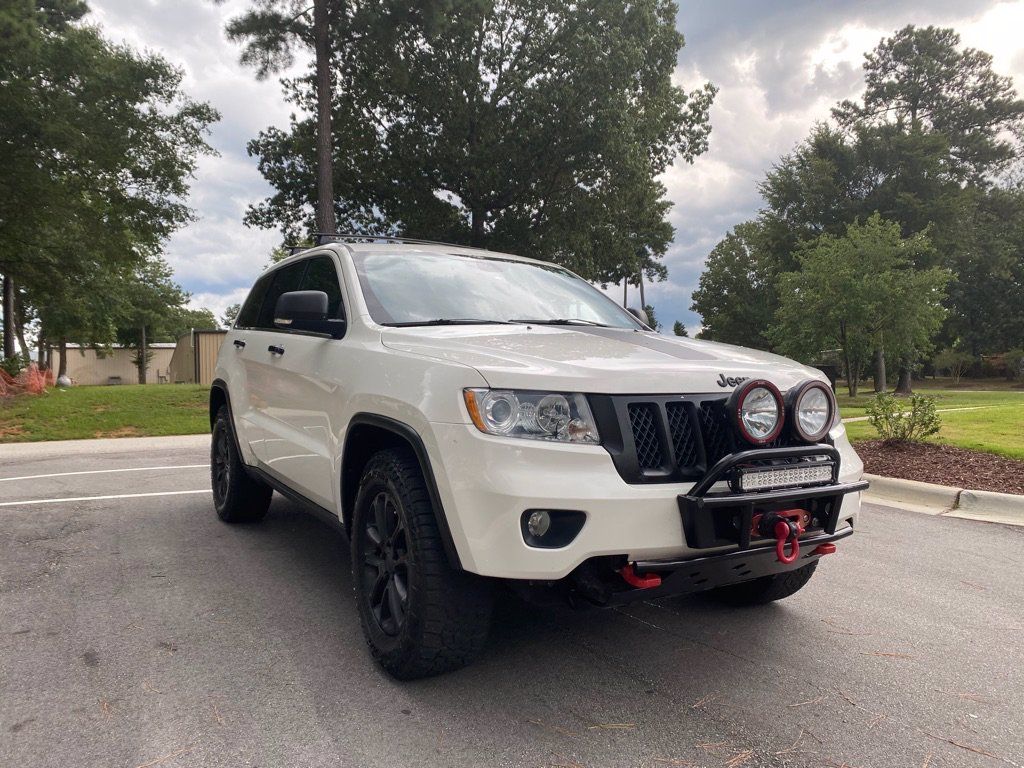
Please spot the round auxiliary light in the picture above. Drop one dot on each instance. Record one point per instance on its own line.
(813, 408)
(756, 407)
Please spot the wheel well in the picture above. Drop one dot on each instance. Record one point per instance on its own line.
(369, 433)
(361, 443)
(218, 397)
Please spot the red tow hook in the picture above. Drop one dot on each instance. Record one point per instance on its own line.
(634, 579)
(827, 548)
(785, 531)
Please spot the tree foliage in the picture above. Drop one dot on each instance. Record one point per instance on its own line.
(927, 148)
(923, 82)
(99, 144)
(854, 291)
(737, 297)
(539, 127)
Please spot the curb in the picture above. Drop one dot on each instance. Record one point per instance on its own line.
(933, 499)
(105, 445)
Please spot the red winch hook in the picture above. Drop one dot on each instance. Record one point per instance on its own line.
(785, 526)
(786, 531)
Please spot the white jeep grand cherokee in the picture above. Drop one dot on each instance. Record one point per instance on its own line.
(472, 418)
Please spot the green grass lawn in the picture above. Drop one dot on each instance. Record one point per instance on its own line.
(121, 411)
(996, 427)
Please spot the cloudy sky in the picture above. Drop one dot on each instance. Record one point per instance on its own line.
(779, 67)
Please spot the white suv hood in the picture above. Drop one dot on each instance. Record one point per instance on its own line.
(595, 360)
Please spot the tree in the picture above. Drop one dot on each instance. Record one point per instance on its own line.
(230, 313)
(679, 329)
(652, 318)
(921, 81)
(849, 290)
(271, 31)
(954, 362)
(99, 144)
(737, 296)
(532, 126)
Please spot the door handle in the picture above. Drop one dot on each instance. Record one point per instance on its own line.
(239, 343)
(275, 350)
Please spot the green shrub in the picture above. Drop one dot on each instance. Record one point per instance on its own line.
(893, 420)
(12, 365)
(1014, 363)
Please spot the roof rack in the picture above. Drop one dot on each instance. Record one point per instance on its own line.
(319, 238)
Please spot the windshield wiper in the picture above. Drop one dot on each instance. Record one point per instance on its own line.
(446, 321)
(562, 321)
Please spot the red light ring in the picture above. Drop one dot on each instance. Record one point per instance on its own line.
(736, 403)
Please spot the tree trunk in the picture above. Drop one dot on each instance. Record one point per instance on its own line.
(625, 293)
(643, 301)
(478, 228)
(9, 350)
(142, 357)
(62, 369)
(904, 387)
(324, 139)
(19, 329)
(880, 384)
(41, 343)
(851, 377)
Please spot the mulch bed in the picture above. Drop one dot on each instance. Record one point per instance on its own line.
(942, 464)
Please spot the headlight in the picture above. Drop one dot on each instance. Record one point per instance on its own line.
(537, 415)
(756, 407)
(814, 410)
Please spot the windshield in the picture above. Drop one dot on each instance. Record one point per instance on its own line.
(418, 288)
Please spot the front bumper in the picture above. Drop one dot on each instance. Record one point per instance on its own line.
(486, 483)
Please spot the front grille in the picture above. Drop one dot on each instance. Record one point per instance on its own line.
(668, 438)
(716, 430)
(643, 420)
(684, 436)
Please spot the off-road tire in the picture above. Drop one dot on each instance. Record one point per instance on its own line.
(237, 496)
(766, 589)
(444, 621)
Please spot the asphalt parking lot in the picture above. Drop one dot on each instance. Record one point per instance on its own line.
(137, 630)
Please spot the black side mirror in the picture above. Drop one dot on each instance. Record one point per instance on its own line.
(640, 315)
(306, 311)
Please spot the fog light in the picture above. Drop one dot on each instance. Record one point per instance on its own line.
(551, 528)
(538, 523)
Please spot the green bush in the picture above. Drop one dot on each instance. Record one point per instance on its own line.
(12, 365)
(1014, 363)
(894, 421)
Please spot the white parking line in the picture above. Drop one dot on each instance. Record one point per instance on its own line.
(100, 498)
(103, 471)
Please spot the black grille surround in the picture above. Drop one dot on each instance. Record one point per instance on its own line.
(669, 438)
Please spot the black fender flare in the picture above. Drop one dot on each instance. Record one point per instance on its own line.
(412, 437)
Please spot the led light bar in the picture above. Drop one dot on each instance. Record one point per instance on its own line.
(784, 477)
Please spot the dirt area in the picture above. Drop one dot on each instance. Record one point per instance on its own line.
(943, 464)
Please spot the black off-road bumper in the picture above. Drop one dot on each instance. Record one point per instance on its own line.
(722, 521)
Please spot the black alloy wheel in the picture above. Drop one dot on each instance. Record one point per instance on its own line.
(221, 466)
(386, 564)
